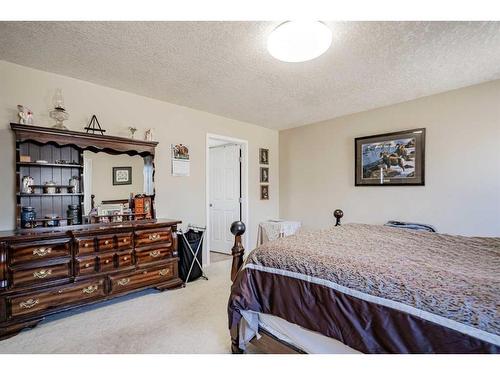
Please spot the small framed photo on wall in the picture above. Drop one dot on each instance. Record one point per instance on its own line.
(264, 192)
(264, 175)
(122, 175)
(263, 156)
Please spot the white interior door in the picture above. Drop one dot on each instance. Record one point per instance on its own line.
(224, 195)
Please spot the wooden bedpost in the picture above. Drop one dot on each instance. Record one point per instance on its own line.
(338, 213)
(237, 228)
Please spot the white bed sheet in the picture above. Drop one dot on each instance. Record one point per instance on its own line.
(309, 341)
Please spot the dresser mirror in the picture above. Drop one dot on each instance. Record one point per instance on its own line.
(111, 184)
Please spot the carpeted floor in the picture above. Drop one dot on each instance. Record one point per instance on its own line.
(219, 257)
(187, 320)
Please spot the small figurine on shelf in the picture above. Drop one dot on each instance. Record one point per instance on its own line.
(29, 120)
(27, 185)
(148, 135)
(132, 130)
(25, 115)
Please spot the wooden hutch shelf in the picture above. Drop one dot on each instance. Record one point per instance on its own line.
(51, 145)
(50, 195)
(59, 165)
(82, 141)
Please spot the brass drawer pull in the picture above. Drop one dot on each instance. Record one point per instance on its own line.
(164, 272)
(87, 265)
(125, 258)
(42, 251)
(124, 240)
(106, 242)
(124, 281)
(154, 236)
(86, 245)
(42, 274)
(106, 261)
(155, 253)
(89, 290)
(29, 303)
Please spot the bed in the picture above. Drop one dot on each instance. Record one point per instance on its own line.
(360, 288)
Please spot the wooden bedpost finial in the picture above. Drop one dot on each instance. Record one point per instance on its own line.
(238, 229)
(338, 213)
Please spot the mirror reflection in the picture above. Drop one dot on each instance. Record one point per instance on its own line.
(117, 187)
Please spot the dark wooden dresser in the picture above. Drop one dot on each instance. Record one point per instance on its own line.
(48, 270)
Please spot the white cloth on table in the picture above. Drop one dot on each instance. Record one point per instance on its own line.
(273, 229)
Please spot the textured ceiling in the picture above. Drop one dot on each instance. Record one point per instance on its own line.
(224, 67)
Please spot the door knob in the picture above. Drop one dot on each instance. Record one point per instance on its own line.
(210, 205)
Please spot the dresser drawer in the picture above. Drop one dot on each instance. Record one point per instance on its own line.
(124, 258)
(106, 262)
(54, 298)
(153, 255)
(86, 265)
(85, 245)
(105, 243)
(124, 241)
(142, 278)
(33, 251)
(153, 236)
(40, 274)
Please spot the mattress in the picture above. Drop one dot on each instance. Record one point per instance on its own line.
(378, 289)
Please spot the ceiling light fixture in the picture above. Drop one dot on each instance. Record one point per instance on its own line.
(297, 41)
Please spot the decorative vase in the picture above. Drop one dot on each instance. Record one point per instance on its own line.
(28, 216)
(74, 183)
(73, 213)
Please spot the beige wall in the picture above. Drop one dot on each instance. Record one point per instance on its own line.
(462, 190)
(177, 197)
(102, 175)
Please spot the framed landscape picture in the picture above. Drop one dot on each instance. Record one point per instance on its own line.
(390, 159)
(122, 175)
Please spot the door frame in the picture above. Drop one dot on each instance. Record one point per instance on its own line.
(244, 189)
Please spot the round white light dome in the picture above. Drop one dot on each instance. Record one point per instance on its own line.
(296, 41)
